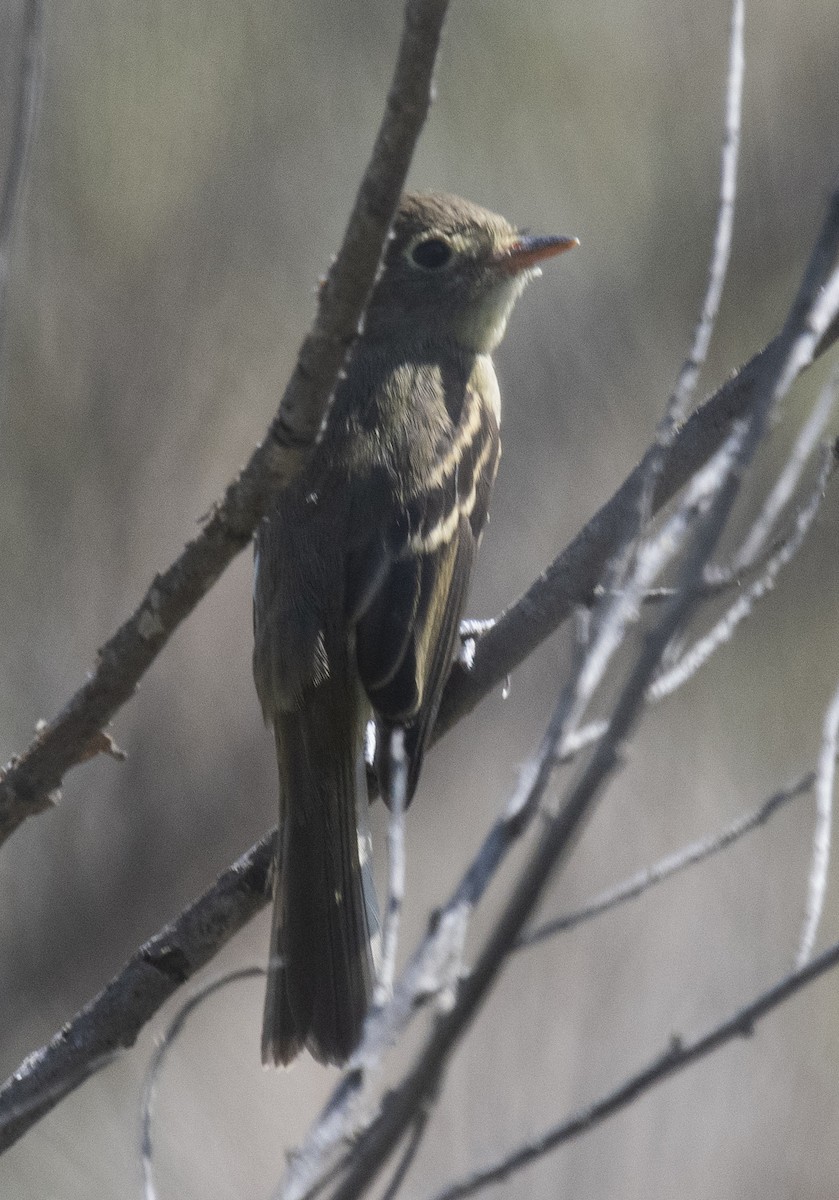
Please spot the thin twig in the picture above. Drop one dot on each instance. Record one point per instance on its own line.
(155, 1067)
(650, 560)
(624, 564)
(111, 1021)
(688, 377)
(817, 884)
(580, 739)
(718, 269)
(678, 1055)
(413, 1144)
(690, 661)
(693, 659)
(27, 783)
(787, 481)
(688, 856)
(398, 777)
(27, 103)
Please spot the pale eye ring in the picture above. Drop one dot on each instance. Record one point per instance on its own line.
(431, 254)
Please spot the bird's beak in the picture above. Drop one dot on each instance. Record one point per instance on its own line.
(528, 251)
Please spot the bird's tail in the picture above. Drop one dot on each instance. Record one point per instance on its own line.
(321, 970)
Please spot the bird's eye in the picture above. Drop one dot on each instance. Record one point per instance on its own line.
(431, 254)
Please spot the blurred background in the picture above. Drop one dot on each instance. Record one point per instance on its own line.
(194, 165)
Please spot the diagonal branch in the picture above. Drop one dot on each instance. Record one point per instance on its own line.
(678, 1055)
(787, 481)
(696, 656)
(677, 406)
(820, 858)
(114, 1018)
(161, 1052)
(680, 398)
(688, 856)
(27, 782)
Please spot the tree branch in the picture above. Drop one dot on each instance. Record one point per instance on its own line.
(786, 483)
(820, 859)
(672, 864)
(27, 782)
(695, 657)
(680, 398)
(114, 1018)
(718, 269)
(678, 1055)
(161, 1051)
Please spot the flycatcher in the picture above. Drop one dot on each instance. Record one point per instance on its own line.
(362, 570)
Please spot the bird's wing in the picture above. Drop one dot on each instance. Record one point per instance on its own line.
(408, 630)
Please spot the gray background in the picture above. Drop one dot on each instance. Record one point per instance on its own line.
(193, 170)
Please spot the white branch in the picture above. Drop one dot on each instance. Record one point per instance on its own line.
(787, 481)
(821, 837)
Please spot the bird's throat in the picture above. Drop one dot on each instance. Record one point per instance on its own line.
(480, 326)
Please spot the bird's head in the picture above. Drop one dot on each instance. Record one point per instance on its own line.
(453, 271)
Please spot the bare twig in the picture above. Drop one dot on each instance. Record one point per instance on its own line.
(787, 481)
(693, 659)
(650, 559)
(580, 739)
(112, 1020)
(817, 885)
(155, 1066)
(678, 1055)
(25, 119)
(672, 864)
(398, 775)
(27, 782)
(690, 661)
(412, 1145)
(810, 316)
(718, 269)
(688, 377)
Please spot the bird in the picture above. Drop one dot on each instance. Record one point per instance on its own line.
(362, 566)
